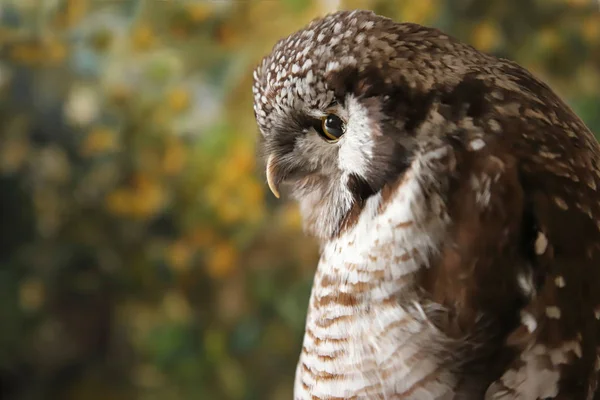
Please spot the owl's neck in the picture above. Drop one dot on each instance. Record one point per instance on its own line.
(363, 306)
(388, 239)
(326, 208)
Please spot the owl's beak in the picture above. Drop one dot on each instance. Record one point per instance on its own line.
(272, 179)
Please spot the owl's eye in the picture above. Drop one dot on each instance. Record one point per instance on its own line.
(332, 127)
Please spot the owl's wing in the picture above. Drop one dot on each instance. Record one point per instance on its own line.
(556, 341)
(523, 247)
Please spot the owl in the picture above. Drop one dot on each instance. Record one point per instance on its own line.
(456, 201)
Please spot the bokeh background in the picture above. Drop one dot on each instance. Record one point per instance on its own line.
(141, 256)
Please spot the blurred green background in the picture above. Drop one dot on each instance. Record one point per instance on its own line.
(141, 256)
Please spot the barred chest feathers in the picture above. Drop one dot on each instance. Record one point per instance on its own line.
(360, 339)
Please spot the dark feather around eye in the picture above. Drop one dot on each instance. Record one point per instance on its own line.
(317, 124)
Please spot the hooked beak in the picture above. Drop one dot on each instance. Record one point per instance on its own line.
(272, 178)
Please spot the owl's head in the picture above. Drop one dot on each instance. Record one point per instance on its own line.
(339, 105)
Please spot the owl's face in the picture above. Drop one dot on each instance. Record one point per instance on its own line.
(338, 105)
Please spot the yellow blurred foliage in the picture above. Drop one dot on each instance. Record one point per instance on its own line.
(178, 99)
(236, 197)
(99, 140)
(226, 176)
(214, 343)
(588, 78)
(101, 40)
(242, 157)
(49, 51)
(161, 117)
(13, 154)
(578, 3)
(176, 307)
(230, 211)
(143, 38)
(199, 11)
(253, 193)
(276, 336)
(143, 200)
(419, 11)
(485, 36)
(74, 11)
(548, 38)
(235, 166)
(233, 191)
(139, 317)
(222, 260)
(203, 236)
(55, 51)
(232, 378)
(179, 255)
(32, 294)
(119, 93)
(290, 217)
(174, 157)
(148, 376)
(227, 36)
(590, 29)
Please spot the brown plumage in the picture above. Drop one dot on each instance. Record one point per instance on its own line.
(456, 200)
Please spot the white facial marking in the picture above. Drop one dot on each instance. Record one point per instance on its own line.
(356, 146)
(560, 281)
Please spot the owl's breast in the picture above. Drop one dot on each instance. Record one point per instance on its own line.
(367, 335)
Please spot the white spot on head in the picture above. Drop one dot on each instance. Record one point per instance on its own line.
(332, 66)
(307, 64)
(541, 243)
(337, 28)
(560, 281)
(553, 312)
(309, 77)
(367, 25)
(476, 144)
